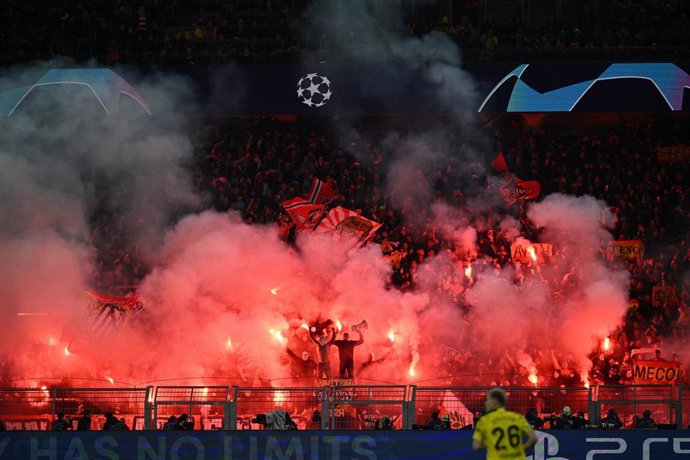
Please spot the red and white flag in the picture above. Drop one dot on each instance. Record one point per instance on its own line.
(348, 227)
(520, 190)
(306, 216)
(320, 193)
(307, 211)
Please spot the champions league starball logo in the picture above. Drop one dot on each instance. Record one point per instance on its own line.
(314, 90)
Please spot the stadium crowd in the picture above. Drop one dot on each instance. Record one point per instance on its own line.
(169, 32)
(253, 165)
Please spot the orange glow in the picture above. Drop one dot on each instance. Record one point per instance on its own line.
(277, 335)
(228, 344)
(607, 344)
(586, 382)
(533, 379)
(532, 253)
(110, 379)
(204, 391)
(339, 325)
(274, 291)
(67, 352)
(468, 271)
(412, 371)
(391, 336)
(304, 326)
(51, 341)
(279, 397)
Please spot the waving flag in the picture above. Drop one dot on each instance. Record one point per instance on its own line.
(305, 215)
(321, 192)
(520, 190)
(499, 163)
(107, 312)
(348, 227)
(307, 211)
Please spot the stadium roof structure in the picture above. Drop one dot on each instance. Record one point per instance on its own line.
(106, 86)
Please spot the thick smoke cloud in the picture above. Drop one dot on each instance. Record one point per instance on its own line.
(224, 299)
(63, 160)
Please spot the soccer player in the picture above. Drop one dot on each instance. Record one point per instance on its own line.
(502, 432)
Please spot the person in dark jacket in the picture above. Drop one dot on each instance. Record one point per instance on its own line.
(111, 423)
(611, 421)
(533, 418)
(171, 424)
(60, 423)
(646, 421)
(84, 423)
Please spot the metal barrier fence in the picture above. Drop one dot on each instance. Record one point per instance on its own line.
(331, 407)
(207, 406)
(462, 404)
(300, 403)
(629, 401)
(684, 406)
(365, 407)
(31, 408)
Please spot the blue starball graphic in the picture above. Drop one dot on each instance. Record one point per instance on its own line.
(104, 84)
(669, 80)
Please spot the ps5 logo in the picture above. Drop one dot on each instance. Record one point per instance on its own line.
(546, 447)
(678, 448)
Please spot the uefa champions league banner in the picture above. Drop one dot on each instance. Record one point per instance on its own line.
(373, 88)
(272, 445)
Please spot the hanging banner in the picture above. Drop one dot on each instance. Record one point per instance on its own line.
(531, 253)
(627, 249)
(659, 372)
(275, 445)
(664, 296)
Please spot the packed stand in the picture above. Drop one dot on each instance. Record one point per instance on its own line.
(253, 165)
(212, 32)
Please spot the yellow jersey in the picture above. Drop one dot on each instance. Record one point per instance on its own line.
(502, 432)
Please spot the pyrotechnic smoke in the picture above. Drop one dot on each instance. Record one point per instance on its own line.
(224, 299)
(502, 315)
(61, 159)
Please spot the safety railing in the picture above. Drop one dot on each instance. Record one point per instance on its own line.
(31, 408)
(684, 405)
(304, 405)
(463, 404)
(208, 407)
(330, 407)
(365, 407)
(630, 401)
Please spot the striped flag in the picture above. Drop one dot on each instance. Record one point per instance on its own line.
(108, 312)
(348, 227)
(307, 211)
(320, 193)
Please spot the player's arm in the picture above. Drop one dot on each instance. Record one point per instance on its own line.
(361, 338)
(529, 432)
(478, 437)
(477, 444)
